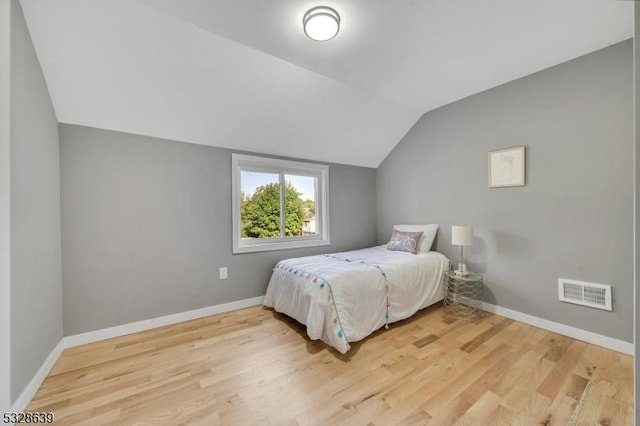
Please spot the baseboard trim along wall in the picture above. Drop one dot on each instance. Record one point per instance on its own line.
(566, 330)
(121, 330)
(27, 394)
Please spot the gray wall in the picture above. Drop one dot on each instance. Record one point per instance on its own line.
(36, 286)
(636, 45)
(5, 207)
(574, 217)
(147, 223)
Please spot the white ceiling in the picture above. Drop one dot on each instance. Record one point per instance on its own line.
(241, 74)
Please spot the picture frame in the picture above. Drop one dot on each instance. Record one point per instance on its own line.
(507, 167)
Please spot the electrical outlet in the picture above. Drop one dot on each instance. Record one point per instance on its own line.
(224, 273)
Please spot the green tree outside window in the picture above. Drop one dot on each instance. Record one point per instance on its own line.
(260, 212)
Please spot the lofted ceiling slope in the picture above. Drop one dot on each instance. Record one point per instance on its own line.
(241, 74)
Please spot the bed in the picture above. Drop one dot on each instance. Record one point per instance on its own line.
(344, 297)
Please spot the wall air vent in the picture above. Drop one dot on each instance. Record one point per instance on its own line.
(583, 293)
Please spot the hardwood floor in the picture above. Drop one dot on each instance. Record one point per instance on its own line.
(255, 366)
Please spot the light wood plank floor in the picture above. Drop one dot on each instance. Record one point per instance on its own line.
(255, 366)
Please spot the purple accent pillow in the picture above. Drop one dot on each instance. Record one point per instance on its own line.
(404, 241)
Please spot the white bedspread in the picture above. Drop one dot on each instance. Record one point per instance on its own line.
(344, 297)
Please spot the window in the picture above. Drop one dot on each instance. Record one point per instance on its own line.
(278, 204)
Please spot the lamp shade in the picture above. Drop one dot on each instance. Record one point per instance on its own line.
(462, 235)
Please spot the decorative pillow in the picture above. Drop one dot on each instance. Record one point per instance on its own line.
(404, 241)
(428, 234)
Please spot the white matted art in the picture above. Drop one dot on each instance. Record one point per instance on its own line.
(506, 167)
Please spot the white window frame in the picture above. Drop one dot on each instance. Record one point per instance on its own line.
(241, 162)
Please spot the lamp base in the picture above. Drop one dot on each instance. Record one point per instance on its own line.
(462, 270)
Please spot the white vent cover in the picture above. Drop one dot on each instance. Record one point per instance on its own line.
(583, 293)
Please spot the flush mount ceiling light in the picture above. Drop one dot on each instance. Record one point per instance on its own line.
(321, 23)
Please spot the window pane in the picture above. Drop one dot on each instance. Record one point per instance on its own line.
(259, 205)
(300, 201)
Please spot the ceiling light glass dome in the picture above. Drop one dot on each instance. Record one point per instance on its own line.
(321, 23)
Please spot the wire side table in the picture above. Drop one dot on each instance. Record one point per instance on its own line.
(463, 295)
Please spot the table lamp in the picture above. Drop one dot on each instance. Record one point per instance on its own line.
(462, 236)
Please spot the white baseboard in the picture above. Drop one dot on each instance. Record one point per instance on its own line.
(566, 330)
(107, 333)
(27, 394)
(135, 327)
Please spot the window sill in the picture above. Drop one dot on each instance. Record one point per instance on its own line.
(252, 248)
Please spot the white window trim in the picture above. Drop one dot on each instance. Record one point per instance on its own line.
(273, 165)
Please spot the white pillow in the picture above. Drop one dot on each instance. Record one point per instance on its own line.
(428, 234)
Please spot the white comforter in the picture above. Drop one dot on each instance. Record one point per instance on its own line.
(344, 297)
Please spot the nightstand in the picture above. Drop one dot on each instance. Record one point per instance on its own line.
(463, 295)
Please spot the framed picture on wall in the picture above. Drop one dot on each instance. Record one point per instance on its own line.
(506, 167)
